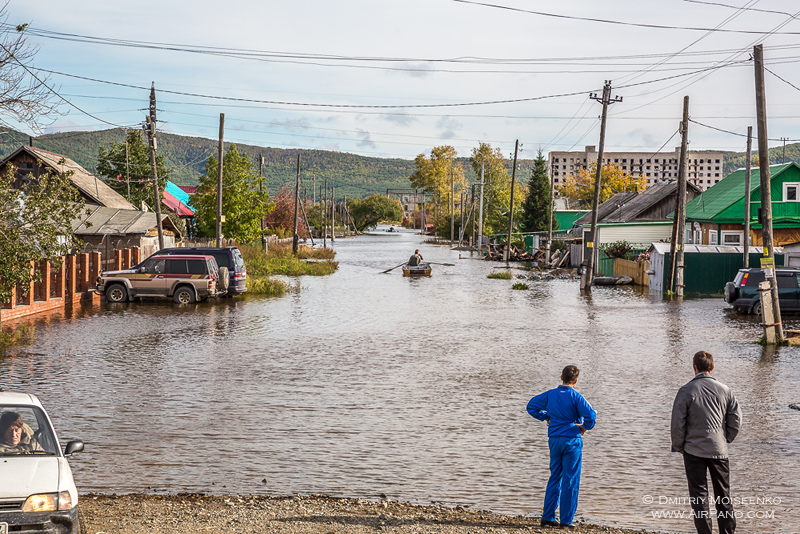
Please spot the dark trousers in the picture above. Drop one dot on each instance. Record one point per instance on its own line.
(696, 470)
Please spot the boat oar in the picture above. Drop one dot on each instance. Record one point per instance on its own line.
(393, 268)
(445, 264)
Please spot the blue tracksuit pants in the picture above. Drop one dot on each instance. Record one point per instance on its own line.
(565, 479)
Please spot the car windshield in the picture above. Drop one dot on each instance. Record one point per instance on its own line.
(25, 430)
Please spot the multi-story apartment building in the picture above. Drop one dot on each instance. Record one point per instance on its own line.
(705, 168)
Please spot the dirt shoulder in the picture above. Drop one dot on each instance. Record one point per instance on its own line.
(192, 513)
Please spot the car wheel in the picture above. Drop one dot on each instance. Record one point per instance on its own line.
(116, 293)
(730, 292)
(756, 309)
(184, 295)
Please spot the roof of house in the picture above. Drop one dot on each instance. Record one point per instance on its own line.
(176, 199)
(90, 185)
(190, 189)
(730, 190)
(651, 196)
(606, 208)
(115, 221)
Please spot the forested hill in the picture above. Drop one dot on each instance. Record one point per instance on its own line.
(352, 175)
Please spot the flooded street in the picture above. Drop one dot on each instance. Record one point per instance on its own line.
(363, 383)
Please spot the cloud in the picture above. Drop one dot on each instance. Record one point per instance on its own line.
(365, 139)
(646, 136)
(401, 118)
(448, 125)
(301, 124)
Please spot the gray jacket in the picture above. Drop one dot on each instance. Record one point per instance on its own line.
(705, 418)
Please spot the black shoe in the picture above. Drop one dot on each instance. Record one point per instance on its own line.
(549, 523)
(568, 527)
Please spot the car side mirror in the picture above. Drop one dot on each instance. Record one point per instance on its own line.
(142, 270)
(73, 446)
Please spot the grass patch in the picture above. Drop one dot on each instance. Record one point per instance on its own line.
(22, 334)
(270, 287)
(280, 261)
(520, 285)
(502, 275)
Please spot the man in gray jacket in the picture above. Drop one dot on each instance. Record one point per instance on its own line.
(705, 418)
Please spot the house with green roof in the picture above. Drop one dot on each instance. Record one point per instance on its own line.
(717, 216)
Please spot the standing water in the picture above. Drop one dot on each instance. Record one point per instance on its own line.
(363, 383)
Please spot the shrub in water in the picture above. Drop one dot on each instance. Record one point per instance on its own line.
(520, 285)
(503, 275)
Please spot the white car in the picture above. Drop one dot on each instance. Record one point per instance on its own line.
(37, 492)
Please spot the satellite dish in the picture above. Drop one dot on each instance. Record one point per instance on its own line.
(696, 225)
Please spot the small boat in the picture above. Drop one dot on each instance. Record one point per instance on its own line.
(423, 269)
(612, 281)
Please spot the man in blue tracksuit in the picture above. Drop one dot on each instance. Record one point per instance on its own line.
(568, 416)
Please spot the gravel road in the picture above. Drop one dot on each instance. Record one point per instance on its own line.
(193, 513)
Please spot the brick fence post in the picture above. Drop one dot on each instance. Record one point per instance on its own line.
(45, 283)
(118, 260)
(136, 254)
(27, 293)
(61, 279)
(97, 261)
(71, 275)
(83, 272)
(126, 258)
(10, 305)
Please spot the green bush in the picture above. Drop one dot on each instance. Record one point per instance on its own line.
(279, 260)
(267, 286)
(502, 275)
(520, 285)
(618, 249)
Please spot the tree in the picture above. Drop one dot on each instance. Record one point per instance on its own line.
(496, 189)
(535, 215)
(434, 175)
(368, 212)
(613, 180)
(112, 165)
(25, 96)
(281, 218)
(36, 224)
(243, 205)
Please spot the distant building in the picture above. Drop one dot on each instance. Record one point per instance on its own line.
(705, 168)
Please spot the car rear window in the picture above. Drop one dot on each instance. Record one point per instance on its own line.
(754, 278)
(222, 259)
(237, 257)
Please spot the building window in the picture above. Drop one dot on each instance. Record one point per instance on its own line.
(712, 238)
(791, 192)
(732, 237)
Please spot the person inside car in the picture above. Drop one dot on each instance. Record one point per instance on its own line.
(16, 436)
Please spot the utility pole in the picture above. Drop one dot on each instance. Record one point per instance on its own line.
(773, 332)
(547, 247)
(783, 158)
(461, 228)
(150, 128)
(507, 253)
(588, 263)
(480, 212)
(452, 208)
(220, 156)
(681, 214)
(295, 237)
(333, 214)
(324, 211)
(261, 190)
(127, 166)
(748, 163)
(314, 188)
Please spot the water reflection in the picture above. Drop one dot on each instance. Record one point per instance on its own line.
(362, 383)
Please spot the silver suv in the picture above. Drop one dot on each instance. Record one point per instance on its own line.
(185, 278)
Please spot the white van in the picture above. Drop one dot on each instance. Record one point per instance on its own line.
(37, 492)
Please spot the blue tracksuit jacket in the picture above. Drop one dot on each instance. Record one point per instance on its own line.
(565, 408)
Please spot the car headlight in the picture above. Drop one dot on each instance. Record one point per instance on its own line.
(48, 502)
(42, 502)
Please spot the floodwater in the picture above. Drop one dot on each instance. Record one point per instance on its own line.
(364, 383)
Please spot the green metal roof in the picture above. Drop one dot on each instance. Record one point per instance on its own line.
(565, 218)
(724, 201)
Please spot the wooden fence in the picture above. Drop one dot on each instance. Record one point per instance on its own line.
(637, 271)
(71, 282)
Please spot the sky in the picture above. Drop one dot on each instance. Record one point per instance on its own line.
(394, 78)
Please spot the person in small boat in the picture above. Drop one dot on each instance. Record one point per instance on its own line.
(415, 259)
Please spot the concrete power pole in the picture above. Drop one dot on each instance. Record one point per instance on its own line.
(747, 164)
(261, 189)
(772, 331)
(150, 128)
(480, 214)
(220, 156)
(550, 223)
(507, 252)
(295, 238)
(452, 207)
(333, 215)
(681, 213)
(588, 263)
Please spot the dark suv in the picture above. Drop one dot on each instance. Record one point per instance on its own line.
(228, 257)
(743, 294)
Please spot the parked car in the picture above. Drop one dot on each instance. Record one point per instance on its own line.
(186, 278)
(228, 257)
(743, 294)
(37, 492)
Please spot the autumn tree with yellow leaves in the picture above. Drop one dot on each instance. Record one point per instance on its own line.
(434, 175)
(613, 180)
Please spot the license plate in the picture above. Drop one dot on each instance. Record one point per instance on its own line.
(3, 528)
